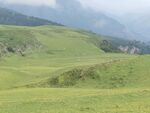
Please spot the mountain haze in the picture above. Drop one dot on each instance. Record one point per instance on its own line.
(73, 14)
(9, 17)
(138, 23)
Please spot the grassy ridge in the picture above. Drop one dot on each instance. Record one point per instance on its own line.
(53, 40)
(17, 71)
(127, 73)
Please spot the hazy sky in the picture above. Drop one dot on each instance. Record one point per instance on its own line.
(118, 6)
(50, 3)
(111, 6)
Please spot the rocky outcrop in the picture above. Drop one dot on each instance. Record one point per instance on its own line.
(129, 50)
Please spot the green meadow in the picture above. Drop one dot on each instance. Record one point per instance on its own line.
(53, 69)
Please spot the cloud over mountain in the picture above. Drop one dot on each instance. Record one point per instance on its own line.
(51, 3)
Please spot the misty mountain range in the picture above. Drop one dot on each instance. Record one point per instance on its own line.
(139, 23)
(8, 17)
(72, 14)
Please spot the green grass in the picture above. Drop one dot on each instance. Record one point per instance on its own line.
(125, 73)
(75, 101)
(17, 71)
(51, 40)
(64, 71)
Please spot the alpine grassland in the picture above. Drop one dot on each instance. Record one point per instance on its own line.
(56, 69)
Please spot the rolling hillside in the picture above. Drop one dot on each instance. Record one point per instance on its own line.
(63, 57)
(50, 40)
(51, 52)
(60, 40)
(60, 69)
(49, 68)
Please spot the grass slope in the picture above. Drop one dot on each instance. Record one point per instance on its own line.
(116, 73)
(54, 40)
(64, 70)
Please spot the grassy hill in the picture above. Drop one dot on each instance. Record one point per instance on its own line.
(60, 69)
(49, 40)
(131, 73)
(44, 50)
(8, 17)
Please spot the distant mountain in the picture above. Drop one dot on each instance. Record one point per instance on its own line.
(139, 23)
(73, 14)
(8, 17)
